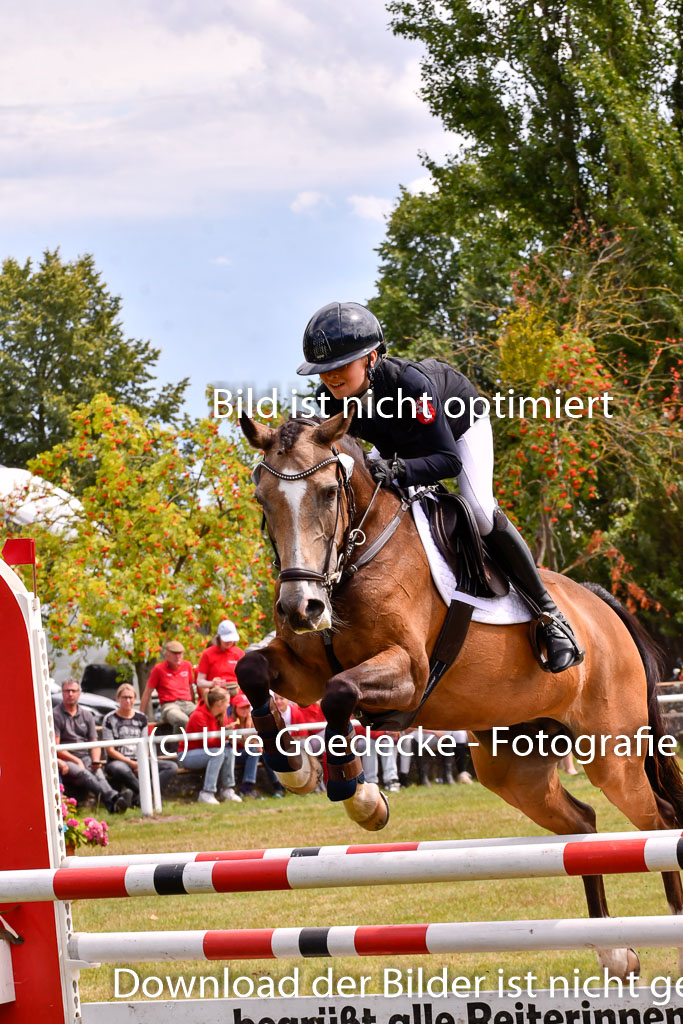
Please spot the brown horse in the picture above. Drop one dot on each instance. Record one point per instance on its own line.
(384, 620)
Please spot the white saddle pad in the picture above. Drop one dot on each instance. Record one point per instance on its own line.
(496, 611)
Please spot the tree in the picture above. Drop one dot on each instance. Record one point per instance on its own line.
(164, 542)
(564, 110)
(585, 489)
(62, 342)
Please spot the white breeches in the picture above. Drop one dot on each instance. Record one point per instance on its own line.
(475, 450)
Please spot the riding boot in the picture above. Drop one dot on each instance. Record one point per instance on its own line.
(507, 545)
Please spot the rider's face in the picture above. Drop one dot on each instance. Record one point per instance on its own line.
(347, 381)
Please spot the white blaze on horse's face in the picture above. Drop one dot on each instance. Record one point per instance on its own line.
(304, 603)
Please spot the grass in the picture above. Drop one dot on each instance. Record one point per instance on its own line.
(440, 812)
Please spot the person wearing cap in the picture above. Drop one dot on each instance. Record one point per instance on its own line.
(217, 663)
(172, 680)
(427, 423)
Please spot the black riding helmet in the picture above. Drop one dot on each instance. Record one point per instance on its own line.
(337, 334)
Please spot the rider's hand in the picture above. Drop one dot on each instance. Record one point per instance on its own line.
(385, 472)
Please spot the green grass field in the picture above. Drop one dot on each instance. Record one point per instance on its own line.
(439, 812)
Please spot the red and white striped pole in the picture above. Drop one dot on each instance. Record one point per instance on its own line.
(377, 940)
(542, 860)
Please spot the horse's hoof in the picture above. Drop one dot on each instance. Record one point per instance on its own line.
(632, 963)
(368, 807)
(306, 779)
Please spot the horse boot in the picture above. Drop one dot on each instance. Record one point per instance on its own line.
(363, 801)
(294, 767)
(509, 548)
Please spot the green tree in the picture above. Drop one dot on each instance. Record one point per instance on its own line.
(584, 489)
(61, 342)
(564, 110)
(164, 541)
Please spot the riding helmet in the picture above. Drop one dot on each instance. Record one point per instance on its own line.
(337, 334)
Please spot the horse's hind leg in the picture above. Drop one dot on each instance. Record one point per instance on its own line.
(533, 786)
(625, 784)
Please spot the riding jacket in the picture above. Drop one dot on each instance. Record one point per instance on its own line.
(426, 441)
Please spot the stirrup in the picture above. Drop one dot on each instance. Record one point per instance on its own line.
(537, 632)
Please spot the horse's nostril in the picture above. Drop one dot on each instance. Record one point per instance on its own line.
(279, 608)
(314, 609)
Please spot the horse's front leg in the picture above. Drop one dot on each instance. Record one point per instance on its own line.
(387, 674)
(256, 672)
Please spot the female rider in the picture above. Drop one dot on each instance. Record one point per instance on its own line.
(344, 344)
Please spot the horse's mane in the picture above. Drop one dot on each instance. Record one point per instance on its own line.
(290, 431)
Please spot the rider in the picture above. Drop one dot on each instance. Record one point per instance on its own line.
(344, 344)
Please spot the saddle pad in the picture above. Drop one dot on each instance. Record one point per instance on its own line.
(496, 611)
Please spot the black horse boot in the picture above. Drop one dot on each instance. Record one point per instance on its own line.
(509, 549)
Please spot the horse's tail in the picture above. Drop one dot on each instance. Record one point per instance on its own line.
(663, 772)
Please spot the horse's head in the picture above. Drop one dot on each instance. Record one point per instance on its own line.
(302, 487)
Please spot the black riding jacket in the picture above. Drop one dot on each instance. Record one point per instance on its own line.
(426, 443)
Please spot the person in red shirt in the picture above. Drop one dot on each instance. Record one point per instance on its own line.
(172, 679)
(212, 753)
(217, 663)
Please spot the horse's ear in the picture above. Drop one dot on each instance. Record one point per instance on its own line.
(331, 430)
(257, 434)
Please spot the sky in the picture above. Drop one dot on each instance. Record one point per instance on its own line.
(229, 165)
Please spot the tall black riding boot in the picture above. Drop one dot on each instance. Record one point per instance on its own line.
(508, 547)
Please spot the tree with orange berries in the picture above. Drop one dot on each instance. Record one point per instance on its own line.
(164, 541)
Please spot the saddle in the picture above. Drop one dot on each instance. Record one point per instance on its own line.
(457, 537)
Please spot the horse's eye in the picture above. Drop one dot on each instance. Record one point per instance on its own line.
(330, 493)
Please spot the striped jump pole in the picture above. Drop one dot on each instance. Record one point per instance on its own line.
(377, 940)
(124, 860)
(542, 860)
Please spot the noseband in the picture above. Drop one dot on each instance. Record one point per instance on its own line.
(351, 537)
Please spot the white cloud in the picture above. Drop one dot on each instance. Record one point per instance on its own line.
(148, 107)
(222, 261)
(424, 184)
(371, 207)
(306, 202)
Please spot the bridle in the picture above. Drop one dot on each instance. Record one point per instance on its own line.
(351, 538)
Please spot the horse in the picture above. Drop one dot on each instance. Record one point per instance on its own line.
(381, 616)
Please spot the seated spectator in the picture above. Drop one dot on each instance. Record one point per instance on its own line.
(242, 711)
(83, 774)
(172, 679)
(217, 663)
(122, 765)
(210, 714)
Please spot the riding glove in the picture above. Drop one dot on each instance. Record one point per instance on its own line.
(384, 472)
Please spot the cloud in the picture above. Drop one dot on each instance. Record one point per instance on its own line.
(221, 261)
(371, 207)
(306, 202)
(424, 184)
(146, 107)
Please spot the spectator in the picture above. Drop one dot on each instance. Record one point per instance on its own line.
(217, 663)
(292, 714)
(84, 773)
(122, 765)
(242, 710)
(172, 679)
(210, 714)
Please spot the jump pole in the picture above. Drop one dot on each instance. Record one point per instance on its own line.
(510, 843)
(544, 860)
